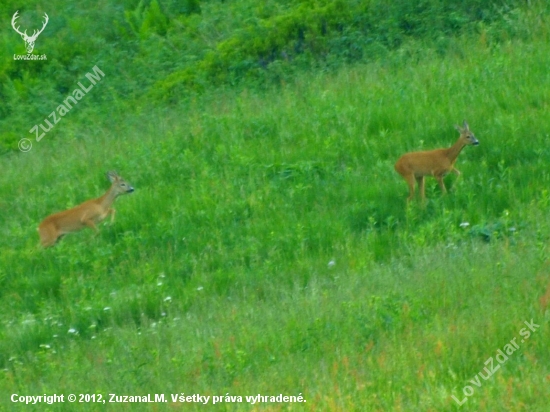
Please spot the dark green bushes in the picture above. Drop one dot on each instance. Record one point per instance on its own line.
(166, 48)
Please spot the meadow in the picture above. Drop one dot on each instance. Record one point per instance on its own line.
(268, 247)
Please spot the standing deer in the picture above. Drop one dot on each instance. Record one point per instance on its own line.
(86, 214)
(29, 40)
(437, 163)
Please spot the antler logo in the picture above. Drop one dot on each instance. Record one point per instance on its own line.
(29, 40)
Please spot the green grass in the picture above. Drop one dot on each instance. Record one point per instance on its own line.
(215, 276)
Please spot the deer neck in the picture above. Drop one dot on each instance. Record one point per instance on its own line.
(454, 150)
(108, 198)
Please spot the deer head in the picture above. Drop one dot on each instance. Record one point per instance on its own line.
(29, 40)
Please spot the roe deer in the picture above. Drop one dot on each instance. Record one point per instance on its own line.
(86, 214)
(437, 163)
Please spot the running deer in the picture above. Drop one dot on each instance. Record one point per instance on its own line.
(437, 163)
(87, 214)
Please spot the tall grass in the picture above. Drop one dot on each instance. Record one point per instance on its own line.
(268, 247)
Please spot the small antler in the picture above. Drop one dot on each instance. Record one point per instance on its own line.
(37, 32)
(15, 17)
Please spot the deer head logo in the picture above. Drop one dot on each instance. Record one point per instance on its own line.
(29, 40)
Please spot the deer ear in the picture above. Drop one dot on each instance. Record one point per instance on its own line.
(112, 176)
(466, 127)
(457, 127)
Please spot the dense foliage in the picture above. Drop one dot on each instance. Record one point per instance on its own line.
(167, 49)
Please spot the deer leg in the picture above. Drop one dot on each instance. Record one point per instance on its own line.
(112, 212)
(48, 236)
(421, 187)
(90, 223)
(441, 184)
(457, 172)
(410, 182)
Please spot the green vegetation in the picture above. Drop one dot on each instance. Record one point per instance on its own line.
(268, 248)
(155, 51)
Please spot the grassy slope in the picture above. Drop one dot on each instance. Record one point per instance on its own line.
(214, 278)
